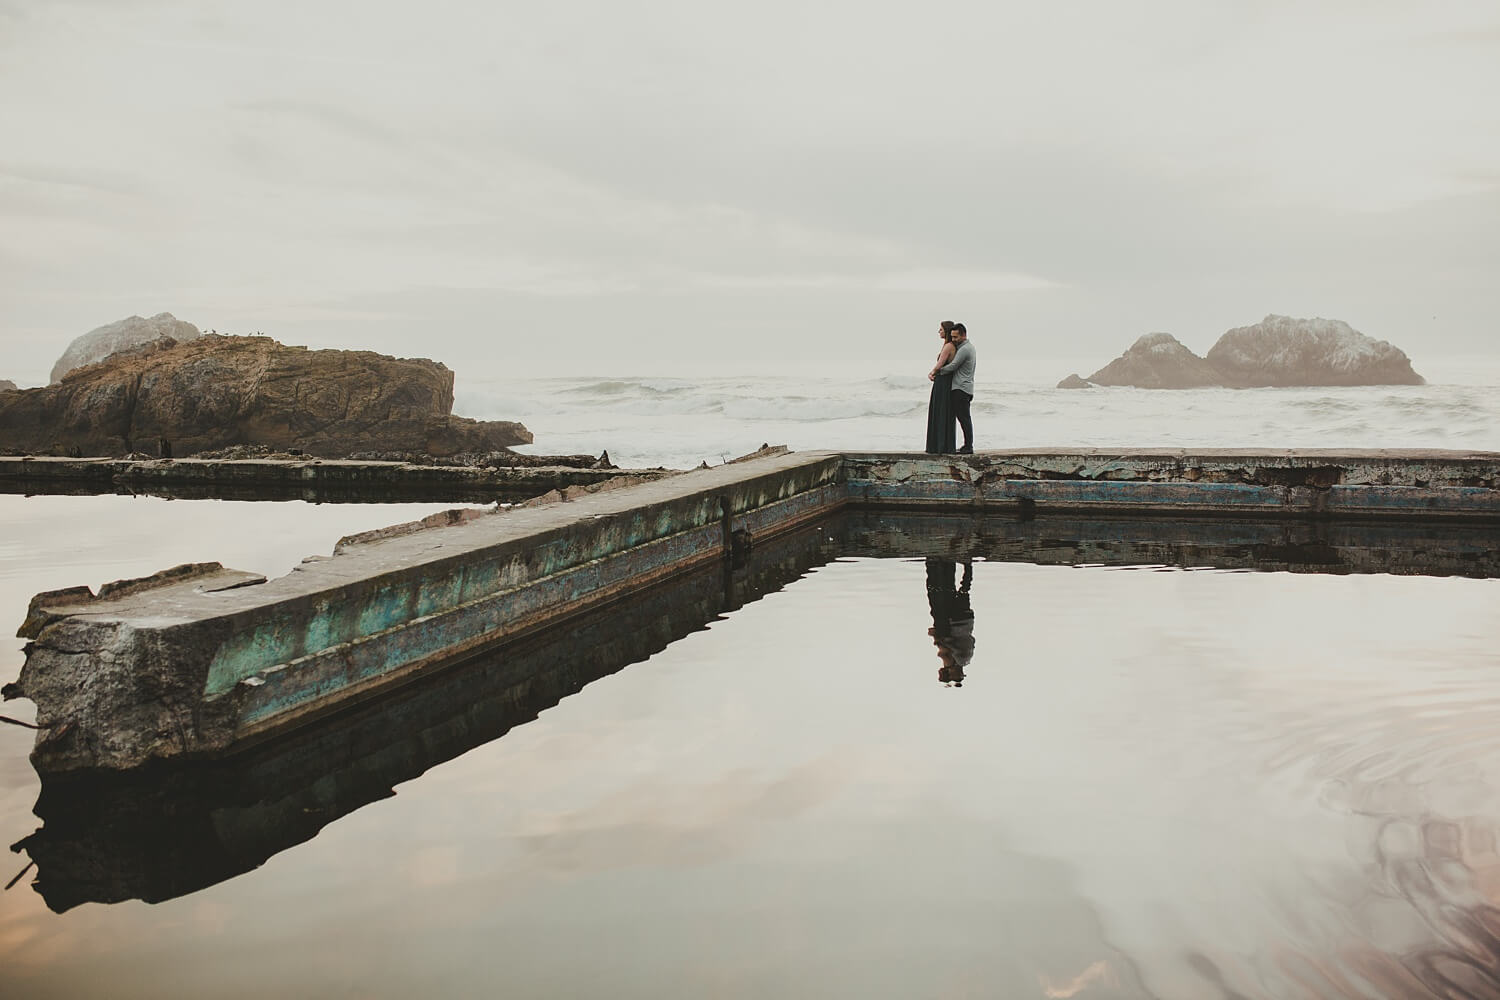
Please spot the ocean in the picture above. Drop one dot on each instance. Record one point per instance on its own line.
(694, 415)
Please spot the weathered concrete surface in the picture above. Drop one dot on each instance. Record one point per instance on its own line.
(1394, 483)
(317, 480)
(206, 659)
(163, 832)
(1308, 482)
(201, 659)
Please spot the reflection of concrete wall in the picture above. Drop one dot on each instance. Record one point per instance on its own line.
(1297, 546)
(166, 832)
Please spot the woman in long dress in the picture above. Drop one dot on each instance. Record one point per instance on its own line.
(941, 437)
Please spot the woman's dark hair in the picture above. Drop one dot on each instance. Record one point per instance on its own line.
(947, 325)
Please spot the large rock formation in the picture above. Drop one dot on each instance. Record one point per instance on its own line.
(111, 339)
(1278, 351)
(216, 392)
(1282, 351)
(6, 385)
(1157, 361)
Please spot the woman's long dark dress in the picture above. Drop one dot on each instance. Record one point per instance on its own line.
(941, 437)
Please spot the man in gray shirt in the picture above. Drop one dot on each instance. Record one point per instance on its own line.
(962, 370)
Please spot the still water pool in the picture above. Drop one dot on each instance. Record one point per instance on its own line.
(828, 775)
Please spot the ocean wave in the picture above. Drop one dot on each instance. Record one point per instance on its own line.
(811, 409)
(665, 421)
(1327, 405)
(635, 386)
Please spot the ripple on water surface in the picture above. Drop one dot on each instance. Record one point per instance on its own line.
(1053, 781)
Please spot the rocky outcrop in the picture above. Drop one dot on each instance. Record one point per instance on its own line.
(1282, 351)
(6, 385)
(109, 340)
(217, 392)
(1157, 361)
(1277, 351)
(1075, 381)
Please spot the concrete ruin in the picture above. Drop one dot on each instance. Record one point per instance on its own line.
(315, 480)
(162, 832)
(200, 660)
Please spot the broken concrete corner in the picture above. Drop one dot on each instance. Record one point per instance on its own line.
(199, 660)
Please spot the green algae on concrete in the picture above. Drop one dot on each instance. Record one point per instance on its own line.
(201, 660)
(200, 670)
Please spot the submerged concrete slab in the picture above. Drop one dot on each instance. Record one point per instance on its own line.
(199, 660)
(313, 479)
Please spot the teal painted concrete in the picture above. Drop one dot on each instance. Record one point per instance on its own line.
(272, 654)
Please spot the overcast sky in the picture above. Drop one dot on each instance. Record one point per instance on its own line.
(609, 185)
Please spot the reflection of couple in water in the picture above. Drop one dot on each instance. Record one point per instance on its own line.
(952, 618)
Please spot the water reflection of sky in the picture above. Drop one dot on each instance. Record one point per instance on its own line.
(1151, 783)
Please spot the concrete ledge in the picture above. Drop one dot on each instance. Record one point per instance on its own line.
(1213, 482)
(175, 667)
(162, 832)
(316, 480)
(200, 660)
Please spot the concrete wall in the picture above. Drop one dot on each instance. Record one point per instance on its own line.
(1401, 484)
(171, 831)
(312, 479)
(202, 659)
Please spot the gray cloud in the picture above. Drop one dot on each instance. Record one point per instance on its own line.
(763, 172)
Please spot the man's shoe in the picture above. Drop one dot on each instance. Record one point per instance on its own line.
(964, 451)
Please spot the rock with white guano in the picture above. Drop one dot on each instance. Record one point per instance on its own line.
(122, 335)
(1284, 351)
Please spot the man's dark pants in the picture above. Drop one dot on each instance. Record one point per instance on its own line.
(961, 401)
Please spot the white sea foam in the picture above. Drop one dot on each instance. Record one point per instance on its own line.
(684, 419)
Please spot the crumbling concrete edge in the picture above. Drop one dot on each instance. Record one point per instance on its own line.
(1435, 485)
(200, 667)
(265, 657)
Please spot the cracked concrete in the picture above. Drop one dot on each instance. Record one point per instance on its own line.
(200, 659)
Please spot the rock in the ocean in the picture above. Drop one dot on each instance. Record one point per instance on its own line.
(96, 345)
(217, 392)
(1073, 381)
(1157, 361)
(1282, 351)
(6, 385)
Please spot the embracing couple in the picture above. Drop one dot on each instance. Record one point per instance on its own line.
(952, 391)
